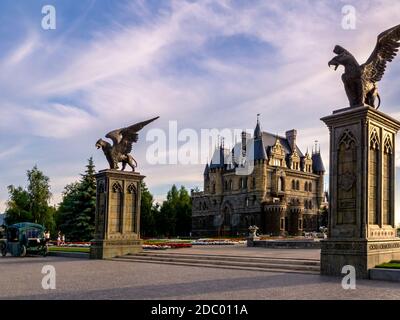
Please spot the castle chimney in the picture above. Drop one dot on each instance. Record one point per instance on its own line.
(291, 138)
(244, 141)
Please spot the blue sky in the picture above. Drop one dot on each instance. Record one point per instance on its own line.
(205, 64)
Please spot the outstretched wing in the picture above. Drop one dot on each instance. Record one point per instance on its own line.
(385, 50)
(123, 138)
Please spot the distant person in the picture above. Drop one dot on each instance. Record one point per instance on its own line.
(59, 238)
(63, 239)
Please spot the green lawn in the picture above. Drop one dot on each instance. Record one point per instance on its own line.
(390, 265)
(69, 249)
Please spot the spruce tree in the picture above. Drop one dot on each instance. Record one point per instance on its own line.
(77, 210)
(86, 204)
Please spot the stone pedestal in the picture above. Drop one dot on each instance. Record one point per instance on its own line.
(361, 229)
(117, 230)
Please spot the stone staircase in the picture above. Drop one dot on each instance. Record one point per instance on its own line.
(251, 263)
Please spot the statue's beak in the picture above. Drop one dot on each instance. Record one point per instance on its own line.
(333, 63)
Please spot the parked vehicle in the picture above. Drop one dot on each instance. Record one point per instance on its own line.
(23, 238)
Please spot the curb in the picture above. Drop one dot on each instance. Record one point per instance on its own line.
(80, 255)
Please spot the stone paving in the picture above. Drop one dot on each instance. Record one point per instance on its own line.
(20, 278)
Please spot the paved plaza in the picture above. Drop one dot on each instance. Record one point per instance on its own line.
(21, 278)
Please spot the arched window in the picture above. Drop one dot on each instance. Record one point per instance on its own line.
(281, 183)
(310, 187)
(297, 185)
(293, 185)
(306, 186)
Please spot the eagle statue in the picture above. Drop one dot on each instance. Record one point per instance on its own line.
(360, 80)
(122, 145)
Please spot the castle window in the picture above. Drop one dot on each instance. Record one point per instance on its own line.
(230, 185)
(306, 186)
(282, 224)
(297, 185)
(305, 204)
(310, 186)
(226, 185)
(254, 199)
(293, 185)
(245, 183)
(254, 183)
(240, 183)
(281, 184)
(213, 188)
(310, 205)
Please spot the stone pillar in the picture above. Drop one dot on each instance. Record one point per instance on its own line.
(117, 230)
(361, 229)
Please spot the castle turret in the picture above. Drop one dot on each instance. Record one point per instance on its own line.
(257, 130)
(318, 168)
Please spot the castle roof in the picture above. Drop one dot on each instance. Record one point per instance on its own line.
(259, 147)
(206, 170)
(317, 163)
(269, 140)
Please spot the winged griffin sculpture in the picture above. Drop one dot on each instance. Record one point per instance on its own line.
(360, 80)
(122, 145)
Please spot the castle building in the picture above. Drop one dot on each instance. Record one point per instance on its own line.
(281, 191)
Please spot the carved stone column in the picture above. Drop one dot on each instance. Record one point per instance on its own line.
(117, 230)
(361, 229)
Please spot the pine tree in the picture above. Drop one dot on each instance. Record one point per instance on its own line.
(86, 204)
(77, 210)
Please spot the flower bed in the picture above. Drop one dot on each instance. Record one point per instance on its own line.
(205, 242)
(155, 247)
(167, 245)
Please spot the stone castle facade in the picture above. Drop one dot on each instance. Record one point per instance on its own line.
(282, 194)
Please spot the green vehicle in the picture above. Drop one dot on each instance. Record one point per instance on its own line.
(24, 238)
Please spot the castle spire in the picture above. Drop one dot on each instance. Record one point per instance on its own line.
(257, 130)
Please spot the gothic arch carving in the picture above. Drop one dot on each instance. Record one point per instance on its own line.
(116, 187)
(374, 139)
(388, 146)
(346, 139)
(131, 189)
(100, 187)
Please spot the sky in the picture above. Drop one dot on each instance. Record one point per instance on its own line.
(200, 64)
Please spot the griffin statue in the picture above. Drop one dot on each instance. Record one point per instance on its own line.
(360, 80)
(122, 145)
